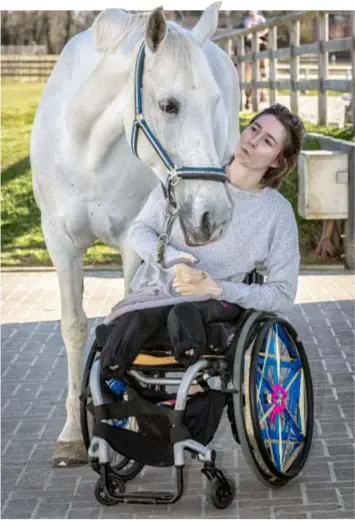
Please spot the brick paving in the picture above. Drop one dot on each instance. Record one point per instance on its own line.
(34, 389)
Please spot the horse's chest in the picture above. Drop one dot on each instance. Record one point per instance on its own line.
(107, 223)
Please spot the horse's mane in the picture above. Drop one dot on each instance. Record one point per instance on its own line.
(116, 28)
(112, 27)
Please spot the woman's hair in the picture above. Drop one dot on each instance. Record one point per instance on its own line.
(294, 127)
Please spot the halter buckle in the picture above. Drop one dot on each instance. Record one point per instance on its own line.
(174, 177)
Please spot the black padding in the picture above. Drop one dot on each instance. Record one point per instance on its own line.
(203, 414)
(102, 333)
(134, 446)
(179, 433)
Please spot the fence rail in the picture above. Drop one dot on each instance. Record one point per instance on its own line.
(294, 75)
(41, 66)
(27, 50)
(28, 68)
(235, 39)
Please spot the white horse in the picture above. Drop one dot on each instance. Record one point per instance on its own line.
(87, 182)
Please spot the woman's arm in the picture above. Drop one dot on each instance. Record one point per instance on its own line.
(143, 235)
(278, 293)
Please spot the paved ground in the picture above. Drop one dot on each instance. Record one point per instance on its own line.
(34, 388)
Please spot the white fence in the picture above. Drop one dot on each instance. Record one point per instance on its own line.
(27, 50)
(323, 82)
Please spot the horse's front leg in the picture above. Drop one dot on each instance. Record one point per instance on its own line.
(66, 257)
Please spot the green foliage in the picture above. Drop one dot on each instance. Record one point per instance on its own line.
(22, 238)
(332, 93)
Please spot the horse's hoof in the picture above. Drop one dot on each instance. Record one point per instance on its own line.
(69, 454)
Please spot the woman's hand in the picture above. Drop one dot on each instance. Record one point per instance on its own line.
(198, 286)
(185, 273)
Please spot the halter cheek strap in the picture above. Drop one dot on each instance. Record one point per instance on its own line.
(174, 173)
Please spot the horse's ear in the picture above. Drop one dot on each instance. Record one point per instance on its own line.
(155, 29)
(110, 27)
(208, 23)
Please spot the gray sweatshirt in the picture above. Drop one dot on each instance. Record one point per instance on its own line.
(262, 230)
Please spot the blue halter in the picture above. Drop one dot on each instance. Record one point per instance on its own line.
(174, 173)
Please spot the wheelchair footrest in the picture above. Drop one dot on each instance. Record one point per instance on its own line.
(146, 497)
(108, 483)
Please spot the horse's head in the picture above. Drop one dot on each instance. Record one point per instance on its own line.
(183, 106)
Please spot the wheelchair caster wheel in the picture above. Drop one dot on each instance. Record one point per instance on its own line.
(101, 494)
(220, 493)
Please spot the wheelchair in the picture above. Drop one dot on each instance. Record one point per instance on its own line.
(164, 411)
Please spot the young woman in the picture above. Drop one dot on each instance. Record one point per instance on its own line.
(262, 229)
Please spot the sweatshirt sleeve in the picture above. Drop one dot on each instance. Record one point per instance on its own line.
(144, 232)
(278, 293)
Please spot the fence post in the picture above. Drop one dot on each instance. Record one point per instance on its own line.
(294, 65)
(322, 68)
(272, 44)
(229, 47)
(353, 67)
(350, 232)
(255, 74)
(241, 66)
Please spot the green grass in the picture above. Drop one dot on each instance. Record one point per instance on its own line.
(22, 238)
(287, 92)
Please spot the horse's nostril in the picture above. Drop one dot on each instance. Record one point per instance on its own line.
(205, 222)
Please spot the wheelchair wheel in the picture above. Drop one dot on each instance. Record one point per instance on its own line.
(123, 467)
(274, 406)
(101, 493)
(221, 494)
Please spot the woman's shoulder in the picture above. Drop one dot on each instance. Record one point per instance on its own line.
(278, 201)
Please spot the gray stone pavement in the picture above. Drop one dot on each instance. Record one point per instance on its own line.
(34, 389)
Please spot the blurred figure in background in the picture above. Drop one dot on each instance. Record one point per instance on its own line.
(254, 18)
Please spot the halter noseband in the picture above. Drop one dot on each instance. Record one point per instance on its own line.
(174, 173)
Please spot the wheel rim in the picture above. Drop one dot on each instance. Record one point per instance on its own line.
(242, 417)
(280, 400)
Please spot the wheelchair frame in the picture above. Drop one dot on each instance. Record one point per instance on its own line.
(247, 429)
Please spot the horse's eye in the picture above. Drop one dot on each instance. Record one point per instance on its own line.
(170, 106)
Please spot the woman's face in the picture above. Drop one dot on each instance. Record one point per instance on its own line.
(261, 144)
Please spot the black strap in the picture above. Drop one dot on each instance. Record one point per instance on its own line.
(206, 176)
(134, 407)
(253, 277)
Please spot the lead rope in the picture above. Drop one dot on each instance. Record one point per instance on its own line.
(171, 211)
(164, 237)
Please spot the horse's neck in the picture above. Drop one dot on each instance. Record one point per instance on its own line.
(95, 112)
